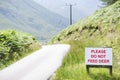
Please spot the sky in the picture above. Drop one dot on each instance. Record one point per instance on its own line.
(81, 8)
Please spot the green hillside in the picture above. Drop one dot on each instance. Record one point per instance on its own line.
(14, 45)
(102, 29)
(28, 16)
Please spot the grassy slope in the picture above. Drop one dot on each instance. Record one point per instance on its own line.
(14, 45)
(102, 29)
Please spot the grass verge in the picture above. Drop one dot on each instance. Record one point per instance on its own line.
(73, 67)
(32, 48)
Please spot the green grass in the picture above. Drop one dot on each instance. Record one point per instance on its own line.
(101, 29)
(73, 66)
(78, 72)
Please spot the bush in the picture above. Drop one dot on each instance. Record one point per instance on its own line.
(14, 44)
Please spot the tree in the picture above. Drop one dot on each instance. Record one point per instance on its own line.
(108, 2)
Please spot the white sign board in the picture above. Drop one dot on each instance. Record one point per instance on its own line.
(98, 56)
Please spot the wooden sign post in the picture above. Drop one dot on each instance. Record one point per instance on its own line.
(98, 58)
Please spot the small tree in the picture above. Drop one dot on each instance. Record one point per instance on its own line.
(108, 2)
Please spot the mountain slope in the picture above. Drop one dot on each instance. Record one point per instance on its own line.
(100, 24)
(26, 15)
(102, 29)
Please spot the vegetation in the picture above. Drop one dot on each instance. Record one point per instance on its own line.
(102, 29)
(15, 45)
(108, 2)
(73, 66)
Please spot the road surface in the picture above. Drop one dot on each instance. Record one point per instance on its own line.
(38, 66)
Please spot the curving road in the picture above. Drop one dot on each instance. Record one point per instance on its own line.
(38, 66)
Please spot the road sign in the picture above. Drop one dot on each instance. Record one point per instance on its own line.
(98, 57)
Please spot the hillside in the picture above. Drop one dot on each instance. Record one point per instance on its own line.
(103, 22)
(28, 16)
(102, 29)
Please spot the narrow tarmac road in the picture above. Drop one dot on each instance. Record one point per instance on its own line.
(38, 66)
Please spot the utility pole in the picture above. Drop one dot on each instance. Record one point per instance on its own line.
(70, 5)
